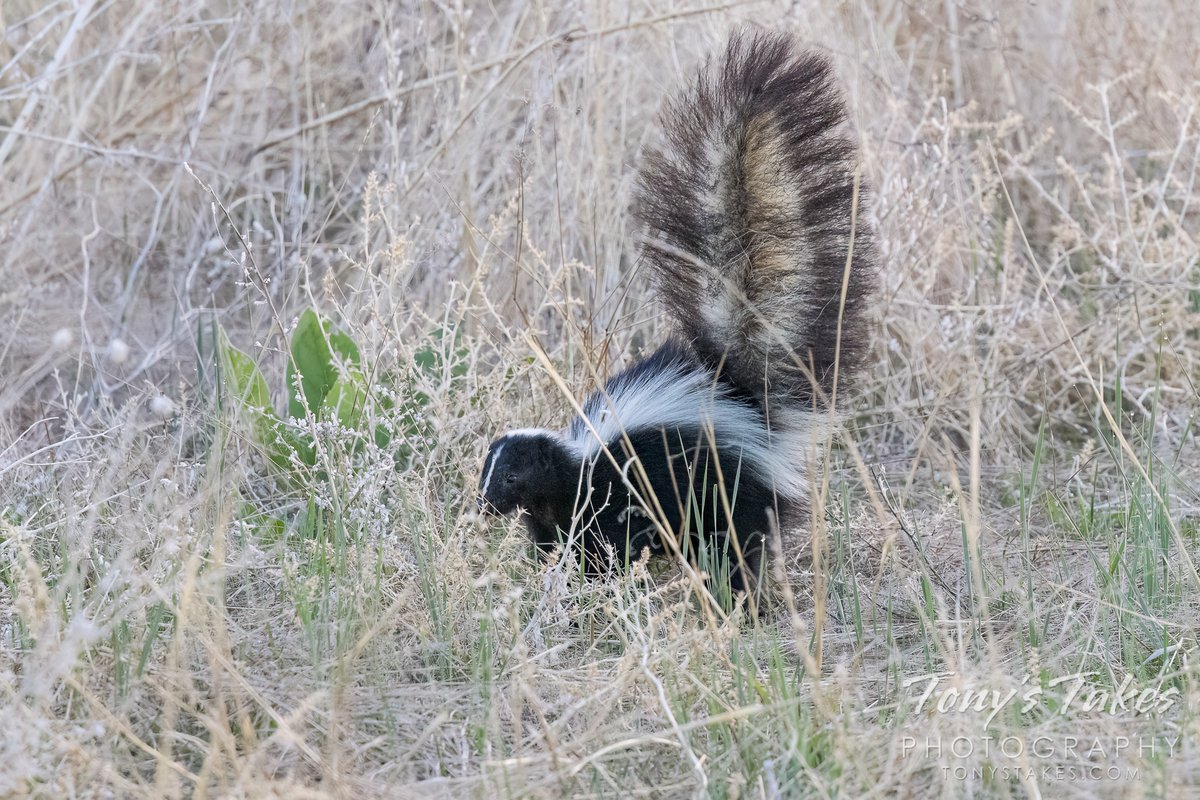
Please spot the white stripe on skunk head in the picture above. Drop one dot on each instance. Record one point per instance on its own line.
(527, 468)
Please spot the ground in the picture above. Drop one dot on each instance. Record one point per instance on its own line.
(200, 597)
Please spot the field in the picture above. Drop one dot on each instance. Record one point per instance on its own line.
(208, 590)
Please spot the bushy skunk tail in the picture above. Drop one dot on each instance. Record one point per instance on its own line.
(750, 211)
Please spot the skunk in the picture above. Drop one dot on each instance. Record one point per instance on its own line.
(758, 252)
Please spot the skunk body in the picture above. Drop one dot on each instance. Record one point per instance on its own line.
(756, 250)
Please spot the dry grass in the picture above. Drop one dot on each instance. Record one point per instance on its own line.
(1016, 498)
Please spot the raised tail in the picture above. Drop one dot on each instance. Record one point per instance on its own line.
(750, 215)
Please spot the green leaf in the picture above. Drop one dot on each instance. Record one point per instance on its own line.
(242, 377)
(345, 347)
(312, 347)
(286, 439)
(244, 381)
(311, 358)
(346, 399)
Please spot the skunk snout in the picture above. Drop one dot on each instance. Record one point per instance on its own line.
(484, 506)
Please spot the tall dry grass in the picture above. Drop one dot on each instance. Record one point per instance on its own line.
(1016, 494)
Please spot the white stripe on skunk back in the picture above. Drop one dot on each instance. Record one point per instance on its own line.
(686, 394)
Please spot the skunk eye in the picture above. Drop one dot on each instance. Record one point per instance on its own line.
(510, 478)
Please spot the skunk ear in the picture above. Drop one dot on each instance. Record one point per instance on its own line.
(551, 456)
(545, 454)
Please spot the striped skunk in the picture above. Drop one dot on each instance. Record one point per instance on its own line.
(757, 250)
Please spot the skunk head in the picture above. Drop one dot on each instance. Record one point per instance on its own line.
(531, 469)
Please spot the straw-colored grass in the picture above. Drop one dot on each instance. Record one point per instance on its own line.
(1013, 501)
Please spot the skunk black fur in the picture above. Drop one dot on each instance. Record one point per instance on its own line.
(750, 218)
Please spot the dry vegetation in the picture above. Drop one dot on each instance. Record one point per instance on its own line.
(1015, 497)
